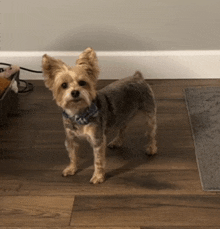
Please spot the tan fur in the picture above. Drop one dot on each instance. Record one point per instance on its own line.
(151, 146)
(56, 72)
(99, 145)
(89, 62)
(74, 90)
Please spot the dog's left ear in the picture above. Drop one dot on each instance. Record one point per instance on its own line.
(51, 67)
(88, 60)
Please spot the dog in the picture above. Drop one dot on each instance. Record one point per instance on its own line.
(90, 113)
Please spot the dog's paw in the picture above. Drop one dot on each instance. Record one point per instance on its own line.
(116, 143)
(97, 178)
(151, 150)
(69, 170)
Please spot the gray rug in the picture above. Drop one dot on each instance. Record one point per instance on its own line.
(204, 112)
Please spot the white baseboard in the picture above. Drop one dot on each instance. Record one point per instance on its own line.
(116, 65)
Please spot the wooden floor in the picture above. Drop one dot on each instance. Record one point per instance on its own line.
(140, 192)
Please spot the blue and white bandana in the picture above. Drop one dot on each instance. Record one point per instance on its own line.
(83, 119)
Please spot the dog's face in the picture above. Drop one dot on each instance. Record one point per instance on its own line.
(73, 88)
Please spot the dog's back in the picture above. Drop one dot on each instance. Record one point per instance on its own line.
(122, 99)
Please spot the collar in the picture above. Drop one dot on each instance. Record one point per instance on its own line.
(83, 118)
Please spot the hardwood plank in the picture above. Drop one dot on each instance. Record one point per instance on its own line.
(162, 88)
(39, 93)
(91, 227)
(181, 227)
(16, 139)
(160, 82)
(166, 191)
(33, 107)
(37, 116)
(170, 92)
(32, 123)
(118, 182)
(40, 83)
(20, 211)
(57, 159)
(33, 159)
(47, 150)
(53, 122)
(184, 82)
(171, 106)
(164, 121)
(175, 89)
(160, 91)
(146, 210)
(135, 134)
(12, 188)
(39, 130)
(70, 227)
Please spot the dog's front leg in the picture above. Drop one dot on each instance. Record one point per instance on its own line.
(72, 148)
(99, 148)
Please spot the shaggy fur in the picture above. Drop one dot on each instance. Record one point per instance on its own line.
(74, 89)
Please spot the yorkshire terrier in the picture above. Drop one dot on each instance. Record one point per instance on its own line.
(89, 113)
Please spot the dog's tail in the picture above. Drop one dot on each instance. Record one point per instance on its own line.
(138, 75)
(151, 116)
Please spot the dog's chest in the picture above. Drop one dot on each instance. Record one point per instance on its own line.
(80, 131)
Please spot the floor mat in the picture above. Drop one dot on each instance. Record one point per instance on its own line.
(204, 113)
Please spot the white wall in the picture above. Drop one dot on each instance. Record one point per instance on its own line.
(114, 25)
(175, 38)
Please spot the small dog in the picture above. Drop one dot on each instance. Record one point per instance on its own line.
(89, 113)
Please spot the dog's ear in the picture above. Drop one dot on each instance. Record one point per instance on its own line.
(88, 60)
(51, 67)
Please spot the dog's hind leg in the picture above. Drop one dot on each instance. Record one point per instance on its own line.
(118, 140)
(151, 134)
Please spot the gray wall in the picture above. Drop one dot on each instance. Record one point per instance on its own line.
(114, 25)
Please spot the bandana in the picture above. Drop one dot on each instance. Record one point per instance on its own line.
(83, 118)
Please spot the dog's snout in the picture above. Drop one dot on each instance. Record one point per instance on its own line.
(75, 94)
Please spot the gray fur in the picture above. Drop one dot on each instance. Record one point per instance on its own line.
(121, 100)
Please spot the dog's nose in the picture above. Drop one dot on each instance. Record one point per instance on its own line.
(75, 94)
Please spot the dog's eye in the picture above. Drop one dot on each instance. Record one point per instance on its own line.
(64, 85)
(82, 83)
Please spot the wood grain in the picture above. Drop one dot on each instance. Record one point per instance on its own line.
(182, 227)
(140, 192)
(118, 182)
(103, 227)
(20, 211)
(146, 210)
(71, 227)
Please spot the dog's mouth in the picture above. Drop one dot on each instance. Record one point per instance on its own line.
(76, 100)
(73, 103)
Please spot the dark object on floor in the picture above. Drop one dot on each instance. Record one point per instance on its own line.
(4, 83)
(204, 112)
(9, 101)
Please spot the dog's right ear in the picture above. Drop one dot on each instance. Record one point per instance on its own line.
(88, 60)
(51, 67)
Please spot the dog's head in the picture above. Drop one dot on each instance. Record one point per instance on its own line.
(73, 88)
